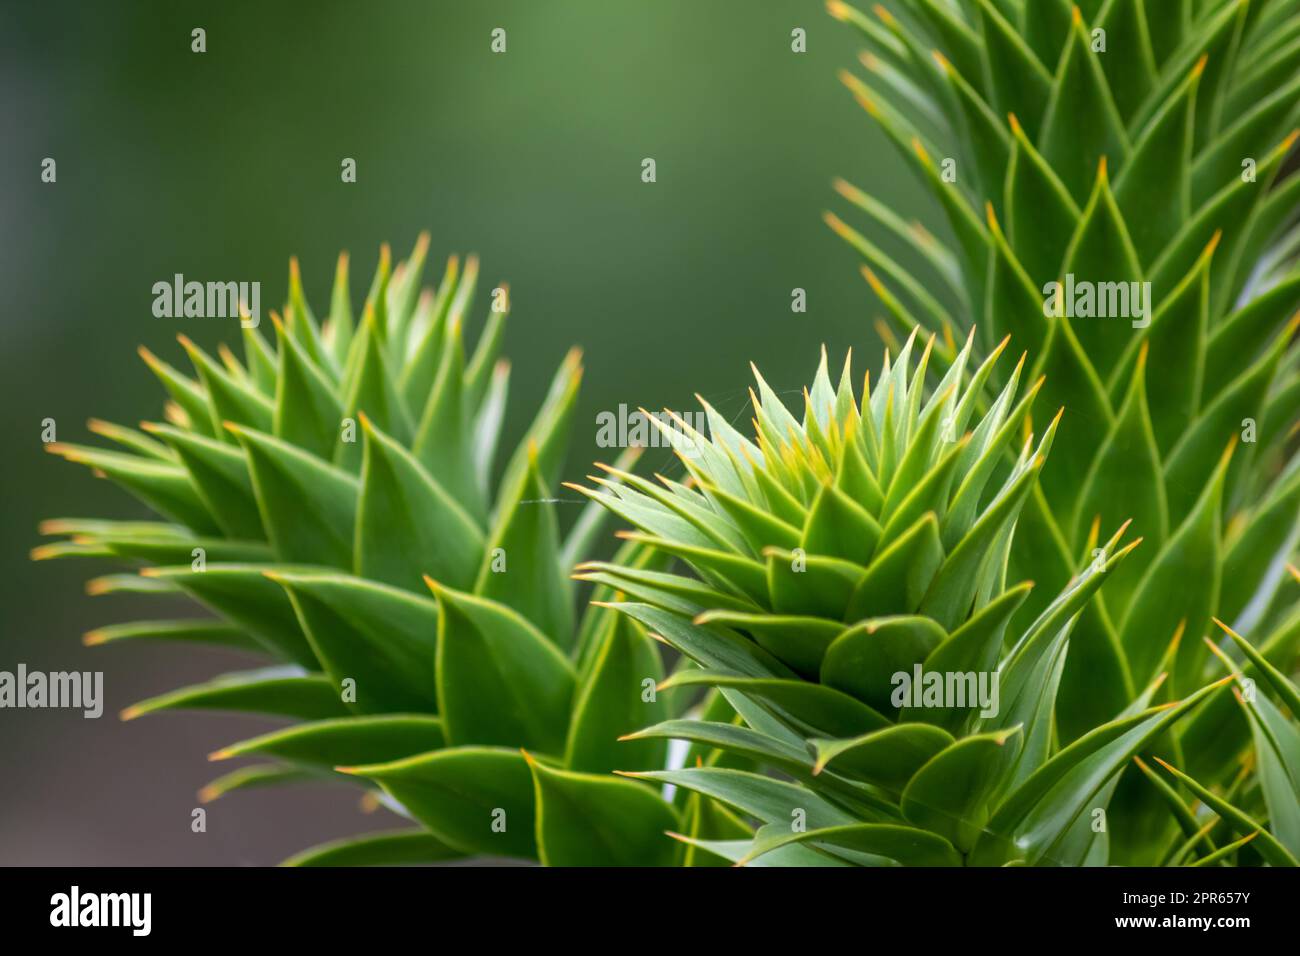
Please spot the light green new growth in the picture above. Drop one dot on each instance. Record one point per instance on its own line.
(851, 602)
(864, 674)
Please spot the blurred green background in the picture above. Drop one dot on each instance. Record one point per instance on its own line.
(222, 164)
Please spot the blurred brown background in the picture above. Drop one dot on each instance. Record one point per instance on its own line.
(222, 164)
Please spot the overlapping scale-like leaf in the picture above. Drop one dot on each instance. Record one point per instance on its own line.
(879, 662)
(1157, 296)
(311, 491)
